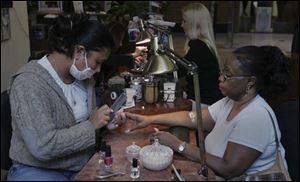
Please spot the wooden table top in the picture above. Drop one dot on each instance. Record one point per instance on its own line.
(161, 107)
(118, 139)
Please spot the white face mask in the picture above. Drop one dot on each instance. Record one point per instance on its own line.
(84, 74)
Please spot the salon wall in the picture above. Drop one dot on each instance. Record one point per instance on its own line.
(16, 50)
(224, 13)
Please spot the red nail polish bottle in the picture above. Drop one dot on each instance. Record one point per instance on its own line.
(108, 160)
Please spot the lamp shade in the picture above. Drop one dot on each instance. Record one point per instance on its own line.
(158, 63)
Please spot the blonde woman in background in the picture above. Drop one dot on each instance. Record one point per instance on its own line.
(200, 48)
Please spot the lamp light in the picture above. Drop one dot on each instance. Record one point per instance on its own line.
(163, 55)
(161, 65)
(145, 36)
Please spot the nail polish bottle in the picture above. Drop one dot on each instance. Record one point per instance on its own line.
(135, 170)
(108, 160)
(102, 150)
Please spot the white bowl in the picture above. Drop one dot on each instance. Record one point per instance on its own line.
(156, 156)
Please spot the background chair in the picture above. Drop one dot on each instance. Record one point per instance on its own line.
(287, 114)
(6, 132)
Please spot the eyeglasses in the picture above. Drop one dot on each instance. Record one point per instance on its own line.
(225, 77)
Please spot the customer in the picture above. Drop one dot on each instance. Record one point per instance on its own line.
(241, 138)
(120, 61)
(200, 48)
(52, 100)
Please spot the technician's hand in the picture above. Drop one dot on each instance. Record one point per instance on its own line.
(100, 117)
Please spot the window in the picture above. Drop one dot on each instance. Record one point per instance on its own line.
(50, 6)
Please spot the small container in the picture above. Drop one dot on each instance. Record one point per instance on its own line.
(133, 151)
(151, 92)
(169, 91)
(137, 85)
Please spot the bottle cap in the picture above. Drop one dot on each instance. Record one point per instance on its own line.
(108, 151)
(134, 162)
(103, 146)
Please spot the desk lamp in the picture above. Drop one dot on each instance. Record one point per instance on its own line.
(145, 37)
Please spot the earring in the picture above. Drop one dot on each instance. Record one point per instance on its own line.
(247, 89)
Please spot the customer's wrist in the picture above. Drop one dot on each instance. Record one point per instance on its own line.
(153, 119)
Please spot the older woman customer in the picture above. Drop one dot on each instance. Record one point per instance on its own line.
(241, 135)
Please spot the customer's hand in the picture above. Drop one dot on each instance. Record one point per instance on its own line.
(140, 121)
(100, 117)
(166, 138)
(139, 60)
(118, 120)
(140, 51)
(120, 116)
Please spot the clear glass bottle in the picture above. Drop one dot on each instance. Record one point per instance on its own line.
(135, 169)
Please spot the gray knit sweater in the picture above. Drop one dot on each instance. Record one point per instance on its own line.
(45, 133)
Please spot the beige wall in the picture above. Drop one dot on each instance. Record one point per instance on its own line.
(16, 50)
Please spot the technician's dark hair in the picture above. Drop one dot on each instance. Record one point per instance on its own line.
(268, 64)
(71, 30)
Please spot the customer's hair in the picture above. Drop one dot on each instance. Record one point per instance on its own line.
(72, 30)
(268, 64)
(199, 26)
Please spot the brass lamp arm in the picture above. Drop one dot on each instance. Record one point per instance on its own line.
(192, 67)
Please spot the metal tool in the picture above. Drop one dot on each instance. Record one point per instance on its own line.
(179, 176)
(119, 102)
(109, 175)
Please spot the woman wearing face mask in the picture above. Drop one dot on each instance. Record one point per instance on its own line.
(53, 103)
